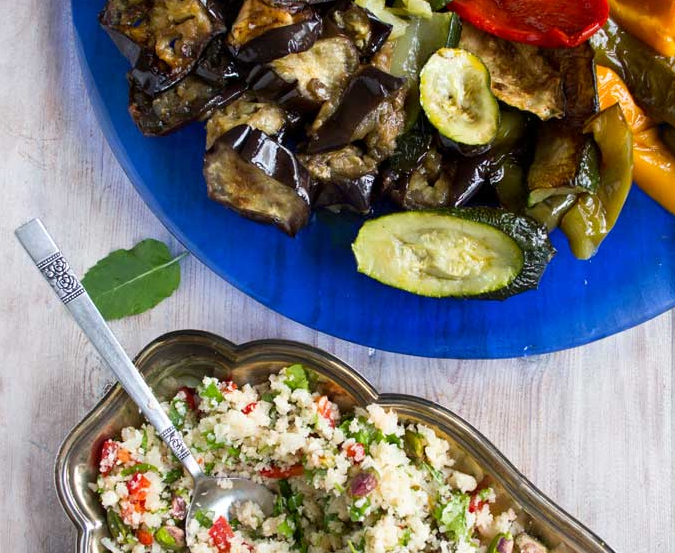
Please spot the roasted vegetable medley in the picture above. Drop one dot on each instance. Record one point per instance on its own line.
(496, 136)
(355, 482)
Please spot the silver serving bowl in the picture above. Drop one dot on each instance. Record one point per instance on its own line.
(184, 357)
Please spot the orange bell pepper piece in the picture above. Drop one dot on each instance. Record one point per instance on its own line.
(654, 167)
(652, 21)
(654, 163)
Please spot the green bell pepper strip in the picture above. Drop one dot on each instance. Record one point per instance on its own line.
(588, 222)
(649, 76)
(551, 211)
(140, 467)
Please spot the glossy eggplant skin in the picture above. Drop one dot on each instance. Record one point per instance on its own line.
(359, 24)
(265, 83)
(279, 41)
(366, 91)
(649, 76)
(356, 194)
(500, 166)
(345, 178)
(577, 67)
(305, 81)
(258, 177)
(212, 84)
(188, 100)
(216, 65)
(158, 59)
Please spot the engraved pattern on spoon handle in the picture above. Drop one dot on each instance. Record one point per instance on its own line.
(56, 270)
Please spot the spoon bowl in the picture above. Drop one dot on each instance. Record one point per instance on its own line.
(214, 495)
(219, 495)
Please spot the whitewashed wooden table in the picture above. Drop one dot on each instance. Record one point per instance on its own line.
(592, 427)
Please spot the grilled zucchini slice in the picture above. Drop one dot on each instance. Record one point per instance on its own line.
(467, 252)
(456, 97)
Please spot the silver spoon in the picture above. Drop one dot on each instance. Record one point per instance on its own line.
(208, 495)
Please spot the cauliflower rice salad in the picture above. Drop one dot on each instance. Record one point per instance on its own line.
(361, 482)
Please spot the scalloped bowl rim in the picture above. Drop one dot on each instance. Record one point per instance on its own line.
(535, 503)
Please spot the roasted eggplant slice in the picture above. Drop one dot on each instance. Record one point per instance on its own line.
(577, 69)
(521, 75)
(346, 177)
(263, 116)
(303, 82)
(427, 186)
(216, 65)
(565, 162)
(188, 100)
(259, 178)
(363, 95)
(365, 30)
(265, 31)
(322, 72)
(212, 84)
(162, 39)
(416, 176)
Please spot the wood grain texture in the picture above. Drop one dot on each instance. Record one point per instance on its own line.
(592, 427)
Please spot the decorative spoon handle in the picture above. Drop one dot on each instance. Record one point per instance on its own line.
(54, 267)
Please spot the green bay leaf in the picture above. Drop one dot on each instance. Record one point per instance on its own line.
(129, 282)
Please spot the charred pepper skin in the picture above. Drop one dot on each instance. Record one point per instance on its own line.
(649, 76)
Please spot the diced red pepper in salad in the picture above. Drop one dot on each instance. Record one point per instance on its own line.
(325, 409)
(111, 453)
(249, 408)
(221, 534)
(546, 23)
(144, 536)
(476, 503)
(138, 485)
(228, 386)
(108, 456)
(276, 472)
(356, 452)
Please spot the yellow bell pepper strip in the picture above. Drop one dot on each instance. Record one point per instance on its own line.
(591, 219)
(654, 163)
(652, 21)
(654, 168)
(612, 90)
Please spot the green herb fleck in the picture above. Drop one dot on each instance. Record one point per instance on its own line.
(140, 467)
(296, 377)
(173, 475)
(205, 519)
(212, 392)
(358, 512)
(286, 528)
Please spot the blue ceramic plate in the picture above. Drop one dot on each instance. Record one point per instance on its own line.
(313, 280)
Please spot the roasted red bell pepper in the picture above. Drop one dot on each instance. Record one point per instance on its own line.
(547, 23)
(221, 534)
